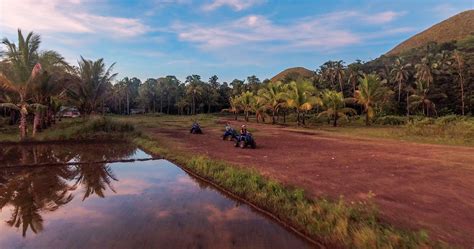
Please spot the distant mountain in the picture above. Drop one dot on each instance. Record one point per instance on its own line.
(293, 73)
(452, 29)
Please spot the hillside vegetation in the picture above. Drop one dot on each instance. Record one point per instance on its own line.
(454, 28)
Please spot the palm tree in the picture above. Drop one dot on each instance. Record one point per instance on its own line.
(334, 105)
(423, 71)
(90, 85)
(422, 97)
(195, 89)
(353, 73)
(300, 96)
(370, 93)
(400, 74)
(459, 66)
(234, 108)
(24, 71)
(245, 102)
(259, 107)
(274, 97)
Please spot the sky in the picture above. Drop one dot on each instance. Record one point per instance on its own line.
(227, 38)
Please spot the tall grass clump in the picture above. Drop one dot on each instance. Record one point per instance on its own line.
(95, 127)
(446, 128)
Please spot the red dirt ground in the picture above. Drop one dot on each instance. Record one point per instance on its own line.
(418, 186)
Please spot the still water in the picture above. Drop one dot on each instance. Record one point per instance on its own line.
(141, 204)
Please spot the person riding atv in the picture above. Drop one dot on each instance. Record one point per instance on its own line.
(196, 128)
(245, 139)
(229, 133)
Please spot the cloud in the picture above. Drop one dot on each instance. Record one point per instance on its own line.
(383, 17)
(68, 16)
(446, 10)
(315, 33)
(236, 5)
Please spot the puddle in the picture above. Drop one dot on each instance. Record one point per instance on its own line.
(141, 204)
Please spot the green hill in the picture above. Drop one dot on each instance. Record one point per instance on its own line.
(455, 28)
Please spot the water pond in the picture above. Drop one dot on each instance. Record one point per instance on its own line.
(140, 204)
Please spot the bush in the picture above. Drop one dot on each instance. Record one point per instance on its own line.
(391, 120)
(447, 127)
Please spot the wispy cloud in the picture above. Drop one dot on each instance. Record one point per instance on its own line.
(446, 10)
(236, 5)
(68, 16)
(316, 33)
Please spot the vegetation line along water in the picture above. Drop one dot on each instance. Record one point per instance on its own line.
(36, 165)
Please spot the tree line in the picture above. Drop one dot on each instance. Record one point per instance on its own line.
(432, 80)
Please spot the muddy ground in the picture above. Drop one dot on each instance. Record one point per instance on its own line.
(418, 186)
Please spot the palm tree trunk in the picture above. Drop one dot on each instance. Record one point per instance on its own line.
(168, 104)
(194, 105)
(335, 120)
(408, 105)
(23, 113)
(235, 115)
(399, 90)
(297, 117)
(367, 119)
(273, 116)
(461, 79)
(36, 122)
(161, 103)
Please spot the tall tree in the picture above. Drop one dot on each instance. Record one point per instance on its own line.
(459, 67)
(91, 83)
(274, 97)
(300, 96)
(334, 105)
(371, 92)
(400, 73)
(23, 73)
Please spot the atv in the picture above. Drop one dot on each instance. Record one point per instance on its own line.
(196, 129)
(230, 134)
(245, 140)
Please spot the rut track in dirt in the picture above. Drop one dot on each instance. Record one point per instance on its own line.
(417, 186)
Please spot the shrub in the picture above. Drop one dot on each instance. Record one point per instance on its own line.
(391, 120)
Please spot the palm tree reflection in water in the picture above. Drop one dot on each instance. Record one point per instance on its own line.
(33, 191)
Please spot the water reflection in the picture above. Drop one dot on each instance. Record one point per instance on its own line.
(151, 204)
(63, 152)
(30, 192)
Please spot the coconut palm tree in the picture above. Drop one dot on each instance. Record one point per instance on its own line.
(334, 106)
(234, 108)
(259, 107)
(353, 73)
(400, 74)
(422, 97)
(245, 102)
(301, 97)
(459, 66)
(423, 71)
(24, 72)
(274, 96)
(370, 93)
(90, 85)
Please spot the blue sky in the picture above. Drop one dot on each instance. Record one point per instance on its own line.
(229, 38)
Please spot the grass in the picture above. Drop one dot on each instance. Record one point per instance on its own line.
(333, 222)
(93, 128)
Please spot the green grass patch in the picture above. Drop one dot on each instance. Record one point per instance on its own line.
(92, 128)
